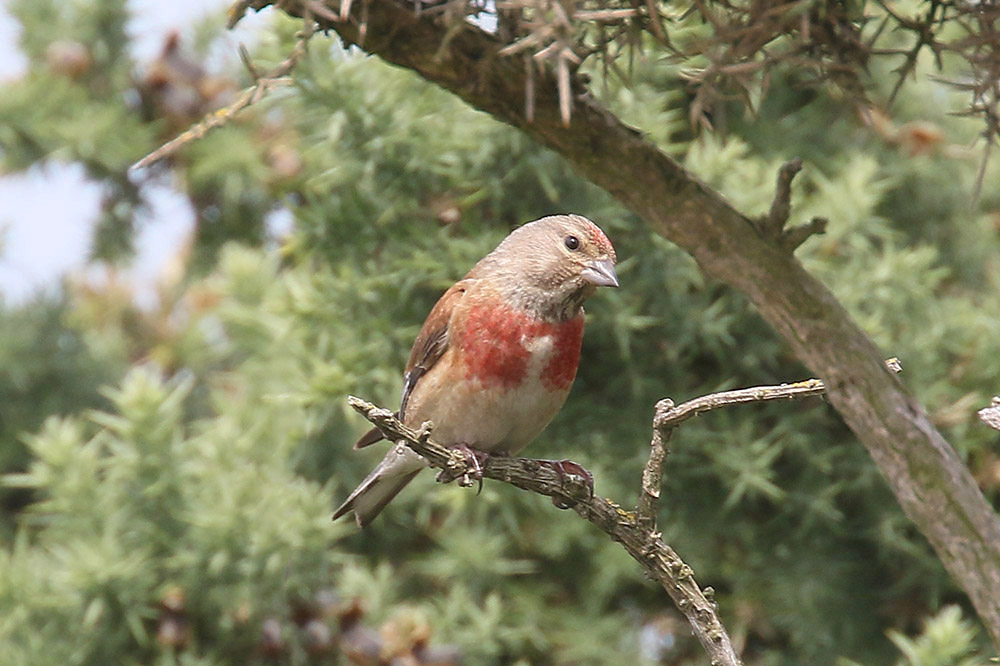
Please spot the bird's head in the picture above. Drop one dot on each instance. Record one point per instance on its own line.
(554, 263)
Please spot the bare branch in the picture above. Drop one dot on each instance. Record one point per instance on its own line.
(652, 473)
(262, 85)
(635, 531)
(772, 226)
(991, 415)
(809, 387)
(990, 137)
(658, 559)
(797, 235)
(668, 417)
(925, 37)
(565, 101)
(782, 204)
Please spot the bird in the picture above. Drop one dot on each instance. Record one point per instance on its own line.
(496, 357)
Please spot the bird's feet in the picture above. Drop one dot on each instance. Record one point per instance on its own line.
(475, 461)
(567, 469)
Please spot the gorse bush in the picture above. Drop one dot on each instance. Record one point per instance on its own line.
(182, 515)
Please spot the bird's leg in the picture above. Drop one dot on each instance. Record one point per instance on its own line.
(476, 460)
(568, 468)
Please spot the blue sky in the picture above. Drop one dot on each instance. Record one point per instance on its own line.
(47, 215)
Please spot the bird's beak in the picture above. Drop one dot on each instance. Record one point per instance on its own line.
(601, 272)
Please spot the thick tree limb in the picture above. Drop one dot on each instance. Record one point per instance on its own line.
(928, 478)
(643, 543)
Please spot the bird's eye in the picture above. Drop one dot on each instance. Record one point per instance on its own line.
(572, 242)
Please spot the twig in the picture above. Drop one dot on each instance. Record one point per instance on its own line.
(925, 37)
(604, 14)
(320, 10)
(782, 204)
(977, 187)
(991, 415)
(668, 417)
(808, 387)
(262, 85)
(652, 473)
(529, 90)
(772, 226)
(644, 545)
(797, 235)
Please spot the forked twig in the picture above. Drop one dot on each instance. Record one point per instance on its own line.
(668, 417)
(773, 226)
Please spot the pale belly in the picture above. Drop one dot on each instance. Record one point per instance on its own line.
(494, 419)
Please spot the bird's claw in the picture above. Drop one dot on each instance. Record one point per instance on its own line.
(475, 461)
(568, 468)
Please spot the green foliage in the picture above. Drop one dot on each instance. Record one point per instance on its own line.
(947, 640)
(85, 100)
(147, 502)
(212, 467)
(49, 368)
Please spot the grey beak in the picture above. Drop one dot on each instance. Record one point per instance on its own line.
(601, 272)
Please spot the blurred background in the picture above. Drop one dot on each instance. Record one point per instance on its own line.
(177, 344)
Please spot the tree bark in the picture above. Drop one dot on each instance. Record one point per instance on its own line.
(929, 480)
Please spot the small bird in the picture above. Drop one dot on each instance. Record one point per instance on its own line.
(495, 359)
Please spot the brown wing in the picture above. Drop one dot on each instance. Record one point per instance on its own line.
(430, 345)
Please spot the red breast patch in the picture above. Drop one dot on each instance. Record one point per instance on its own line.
(498, 346)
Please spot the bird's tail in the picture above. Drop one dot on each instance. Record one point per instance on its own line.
(391, 475)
